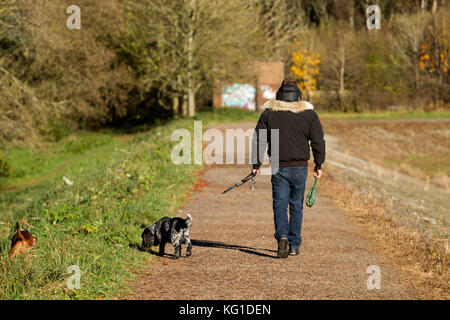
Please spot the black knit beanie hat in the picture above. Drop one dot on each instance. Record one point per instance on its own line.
(289, 93)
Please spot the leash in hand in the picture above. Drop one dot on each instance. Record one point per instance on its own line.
(251, 176)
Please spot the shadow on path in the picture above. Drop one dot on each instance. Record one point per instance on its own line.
(221, 245)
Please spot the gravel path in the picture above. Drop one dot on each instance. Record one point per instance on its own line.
(234, 252)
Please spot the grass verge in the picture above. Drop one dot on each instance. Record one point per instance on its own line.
(121, 183)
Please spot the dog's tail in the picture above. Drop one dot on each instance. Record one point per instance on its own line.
(189, 219)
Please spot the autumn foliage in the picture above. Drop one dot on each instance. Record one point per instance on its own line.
(305, 68)
(434, 56)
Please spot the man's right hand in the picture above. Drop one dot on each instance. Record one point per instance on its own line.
(317, 173)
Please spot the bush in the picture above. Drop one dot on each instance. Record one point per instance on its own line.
(5, 168)
(54, 131)
(51, 75)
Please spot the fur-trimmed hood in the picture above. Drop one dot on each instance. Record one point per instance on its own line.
(296, 107)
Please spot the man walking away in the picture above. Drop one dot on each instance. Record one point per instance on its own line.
(298, 126)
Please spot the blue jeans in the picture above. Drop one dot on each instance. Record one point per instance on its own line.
(288, 188)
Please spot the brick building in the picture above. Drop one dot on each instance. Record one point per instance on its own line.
(267, 75)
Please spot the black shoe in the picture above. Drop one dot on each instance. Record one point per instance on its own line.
(283, 251)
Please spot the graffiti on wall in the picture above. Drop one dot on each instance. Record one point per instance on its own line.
(267, 92)
(239, 95)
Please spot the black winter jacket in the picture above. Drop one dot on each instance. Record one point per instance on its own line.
(298, 126)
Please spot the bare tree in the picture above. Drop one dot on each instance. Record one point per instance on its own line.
(408, 35)
(280, 22)
(184, 44)
(341, 64)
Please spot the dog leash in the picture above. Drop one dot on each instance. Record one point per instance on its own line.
(214, 197)
(251, 176)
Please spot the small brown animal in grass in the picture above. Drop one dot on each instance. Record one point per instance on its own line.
(21, 242)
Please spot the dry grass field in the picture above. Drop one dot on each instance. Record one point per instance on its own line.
(393, 177)
(420, 148)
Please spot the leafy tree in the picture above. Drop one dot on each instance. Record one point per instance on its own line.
(305, 68)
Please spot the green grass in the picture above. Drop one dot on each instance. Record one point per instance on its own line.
(121, 183)
(384, 115)
(28, 164)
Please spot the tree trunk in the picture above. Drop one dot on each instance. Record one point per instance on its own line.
(365, 9)
(175, 106)
(191, 102)
(352, 15)
(417, 74)
(190, 78)
(190, 58)
(423, 5)
(342, 70)
(435, 6)
(184, 106)
(437, 56)
(416, 65)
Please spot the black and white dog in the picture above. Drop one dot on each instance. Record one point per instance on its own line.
(173, 230)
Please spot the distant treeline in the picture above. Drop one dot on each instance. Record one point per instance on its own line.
(137, 61)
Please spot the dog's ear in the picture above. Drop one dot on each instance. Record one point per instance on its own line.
(189, 220)
(19, 232)
(144, 233)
